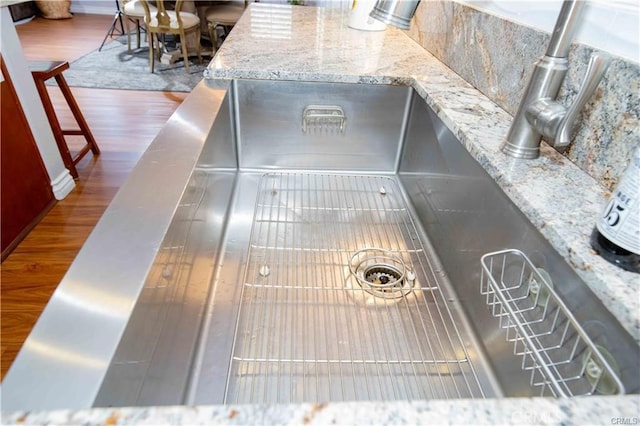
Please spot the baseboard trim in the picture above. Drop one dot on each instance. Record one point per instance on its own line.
(93, 8)
(62, 185)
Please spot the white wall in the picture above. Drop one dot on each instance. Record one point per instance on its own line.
(95, 7)
(611, 25)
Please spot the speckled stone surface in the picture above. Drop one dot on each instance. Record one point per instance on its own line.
(496, 56)
(516, 411)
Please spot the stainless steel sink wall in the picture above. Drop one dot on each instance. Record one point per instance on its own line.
(64, 360)
(269, 120)
(466, 215)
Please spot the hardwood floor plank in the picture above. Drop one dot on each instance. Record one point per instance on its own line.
(123, 123)
(17, 324)
(64, 39)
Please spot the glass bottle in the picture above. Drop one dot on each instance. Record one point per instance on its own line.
(616, 236)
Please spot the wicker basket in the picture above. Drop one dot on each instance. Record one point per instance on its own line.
(54, 9)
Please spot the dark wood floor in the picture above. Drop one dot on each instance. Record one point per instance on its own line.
(124, 123)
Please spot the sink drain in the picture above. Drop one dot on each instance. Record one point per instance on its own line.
(381, 273)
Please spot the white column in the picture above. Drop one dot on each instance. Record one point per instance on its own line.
(61, 181)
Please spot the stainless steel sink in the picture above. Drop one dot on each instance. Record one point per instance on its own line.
(284, 209)
(327, 247)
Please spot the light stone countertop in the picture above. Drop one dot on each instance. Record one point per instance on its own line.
(515, 411)
(309, 44)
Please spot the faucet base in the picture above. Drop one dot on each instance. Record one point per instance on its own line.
(521, 152)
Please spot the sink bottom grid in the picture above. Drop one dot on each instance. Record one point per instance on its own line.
(308, 331)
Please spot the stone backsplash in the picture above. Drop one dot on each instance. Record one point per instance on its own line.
(497, 55)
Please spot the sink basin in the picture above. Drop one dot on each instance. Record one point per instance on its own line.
(327, 247)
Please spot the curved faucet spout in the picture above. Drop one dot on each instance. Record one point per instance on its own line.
(565, 29)
(539, 114)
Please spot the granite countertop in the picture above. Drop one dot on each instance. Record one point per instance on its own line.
(304, 43)
(516, 411)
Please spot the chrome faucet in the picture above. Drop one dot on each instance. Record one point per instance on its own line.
(539, 114)
(395, 12)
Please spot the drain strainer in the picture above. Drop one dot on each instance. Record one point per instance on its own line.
(381, 273)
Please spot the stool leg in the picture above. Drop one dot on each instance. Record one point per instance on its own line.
(55, 127)
(75, 110)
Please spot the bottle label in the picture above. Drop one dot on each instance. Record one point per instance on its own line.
(620, 221)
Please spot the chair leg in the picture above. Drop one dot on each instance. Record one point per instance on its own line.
(128, 30)
(212, 35)
(138, 33)
(185, 54)
(198, 47)
(161, 46)
(151, 52)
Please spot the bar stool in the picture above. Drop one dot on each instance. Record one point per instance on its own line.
(41, 73)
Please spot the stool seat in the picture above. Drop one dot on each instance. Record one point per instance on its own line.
(43, 71)
(47, 69)
(222, 14)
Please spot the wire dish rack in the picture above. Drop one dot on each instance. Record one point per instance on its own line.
(327, 315)
(562, 359)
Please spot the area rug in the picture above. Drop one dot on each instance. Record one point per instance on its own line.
(114, 67)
